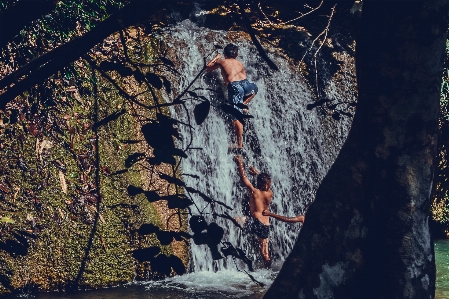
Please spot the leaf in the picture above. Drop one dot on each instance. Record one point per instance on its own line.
(336, 116)
(191, 190)
(145, 254)
(108, 119)
(171, 179)
(104, 65)
(177, 201)
(165, 237)
(154, 80)
(152, 196)
(201, 111)
(124, 71)
(177, 152)
(161, 264)
(133, 190)
(45, 144)
(197, 224)
(237, 114)
(4, 188)
(156, 135)
(7, 219)
(139, 76)
(161, 158)
(147, 228)
(101, 218)
(192, 94)
(167, 61)
(133, 158)
(242, 106)
(177, 264)
(215, 233)
(317, 103)
(63, 182)
(167, 84)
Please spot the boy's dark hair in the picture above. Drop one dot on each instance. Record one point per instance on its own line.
(231, 51)
(262, 179)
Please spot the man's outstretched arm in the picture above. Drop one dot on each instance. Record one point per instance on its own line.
(299, 218)
(212, 65)
(241, 171)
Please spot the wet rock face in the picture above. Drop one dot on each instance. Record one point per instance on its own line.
(289, 139)
(60, 231)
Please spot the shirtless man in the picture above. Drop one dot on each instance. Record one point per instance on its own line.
(240, 90)
(258, 222)
(259, 200)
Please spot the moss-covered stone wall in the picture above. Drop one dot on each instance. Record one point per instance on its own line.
(67, 220)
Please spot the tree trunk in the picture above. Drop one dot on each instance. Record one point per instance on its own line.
(367, 233)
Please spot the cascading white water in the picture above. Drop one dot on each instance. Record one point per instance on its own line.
(284, 139)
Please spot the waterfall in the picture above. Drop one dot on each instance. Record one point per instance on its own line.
(283, 139)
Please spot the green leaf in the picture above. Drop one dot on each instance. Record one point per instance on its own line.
(7, 219)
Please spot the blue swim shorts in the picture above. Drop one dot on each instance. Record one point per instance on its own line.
(254, 226)
(239, 90)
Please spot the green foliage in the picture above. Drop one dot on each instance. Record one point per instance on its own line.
(440, 204)
(70, 19)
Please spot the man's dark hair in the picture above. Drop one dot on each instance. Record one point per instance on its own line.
(231, 51)
(262, 179)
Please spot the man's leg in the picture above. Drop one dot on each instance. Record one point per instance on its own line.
(263, 243)
(248, 99)
(238, 128)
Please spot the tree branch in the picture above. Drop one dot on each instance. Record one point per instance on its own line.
(254, 38)
(133, 13)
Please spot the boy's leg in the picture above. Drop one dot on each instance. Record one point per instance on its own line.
(263, 243)
(246, 100)
(238, 128)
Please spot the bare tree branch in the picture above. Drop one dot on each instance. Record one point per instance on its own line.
(254, 38)
(48, 64)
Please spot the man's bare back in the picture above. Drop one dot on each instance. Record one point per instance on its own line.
(240, 90)
(231, 69)
(258, 202)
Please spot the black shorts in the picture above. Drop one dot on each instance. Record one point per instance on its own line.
(254, 226)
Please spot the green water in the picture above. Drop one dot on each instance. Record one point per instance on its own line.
(442, 263)
(222, 285)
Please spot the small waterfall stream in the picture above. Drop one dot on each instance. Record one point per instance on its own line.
(283, 139)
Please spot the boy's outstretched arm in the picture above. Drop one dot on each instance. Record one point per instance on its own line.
(241, 171)
(212, 65)
(299, 218)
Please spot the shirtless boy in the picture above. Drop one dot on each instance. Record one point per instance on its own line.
(259, 201)
(258, 222)
(240, 90)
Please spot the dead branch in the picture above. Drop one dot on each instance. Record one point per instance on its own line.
(305, 14)
(326, 31)
(290, 21)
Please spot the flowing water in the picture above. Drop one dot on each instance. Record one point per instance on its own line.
(283, 139)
